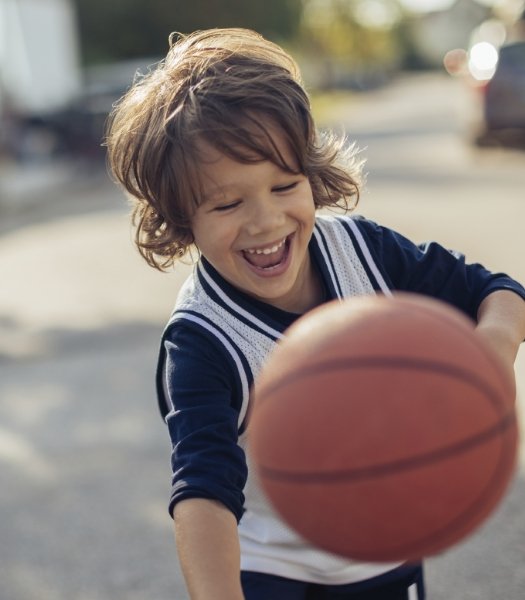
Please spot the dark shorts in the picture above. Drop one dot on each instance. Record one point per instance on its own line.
(403, 583)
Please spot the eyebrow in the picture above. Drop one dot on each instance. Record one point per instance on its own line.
(215, 193)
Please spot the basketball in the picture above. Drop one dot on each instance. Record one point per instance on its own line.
(382, 428)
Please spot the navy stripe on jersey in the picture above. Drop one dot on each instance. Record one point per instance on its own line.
(334, 285)
(217, 294)
(242, 368)
(365, 256)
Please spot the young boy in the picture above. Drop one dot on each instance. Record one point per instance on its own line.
(218, 148)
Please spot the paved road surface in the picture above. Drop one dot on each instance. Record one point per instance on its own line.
(84, 458)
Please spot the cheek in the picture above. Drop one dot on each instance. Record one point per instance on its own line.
(309, 211)
(308, 199)
(213, 238)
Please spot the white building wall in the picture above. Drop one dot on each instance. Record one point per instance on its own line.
(39, 55)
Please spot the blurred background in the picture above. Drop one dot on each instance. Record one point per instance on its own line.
(432, 91)
(64, 62)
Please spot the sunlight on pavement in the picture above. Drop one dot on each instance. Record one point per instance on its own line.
(25, 406)
(16, 451)
(81, 273)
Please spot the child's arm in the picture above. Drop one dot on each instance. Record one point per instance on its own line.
(501, 322)
(208, 547)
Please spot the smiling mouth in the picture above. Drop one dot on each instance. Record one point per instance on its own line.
(269, 257)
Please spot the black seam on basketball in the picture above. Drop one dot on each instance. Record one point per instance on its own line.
(473, 510)
(461, 520)
(385, 469)
(438, 537)
(412, 364)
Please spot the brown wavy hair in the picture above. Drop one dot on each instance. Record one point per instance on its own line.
(226, 87)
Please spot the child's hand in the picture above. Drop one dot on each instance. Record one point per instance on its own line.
(505, 351)
(501, 324)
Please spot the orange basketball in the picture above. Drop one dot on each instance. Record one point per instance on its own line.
(383, 429)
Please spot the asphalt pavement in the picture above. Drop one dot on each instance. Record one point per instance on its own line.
(84, 456)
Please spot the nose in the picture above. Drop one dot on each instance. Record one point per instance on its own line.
(265, 215)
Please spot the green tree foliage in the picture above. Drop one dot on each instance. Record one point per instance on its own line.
(362, 32)
(351, 42)
(123, 29)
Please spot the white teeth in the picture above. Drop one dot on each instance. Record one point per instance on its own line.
(271, 250)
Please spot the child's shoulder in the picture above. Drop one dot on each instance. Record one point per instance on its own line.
(191, 308)
(349, 224)
(325, 219)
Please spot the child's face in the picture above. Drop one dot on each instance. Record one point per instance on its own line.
(254, 225)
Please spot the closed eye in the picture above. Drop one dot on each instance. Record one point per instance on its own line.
(225, 207)
(285, 188)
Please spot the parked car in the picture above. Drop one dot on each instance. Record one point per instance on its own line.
(503, 100)
(76, 130)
